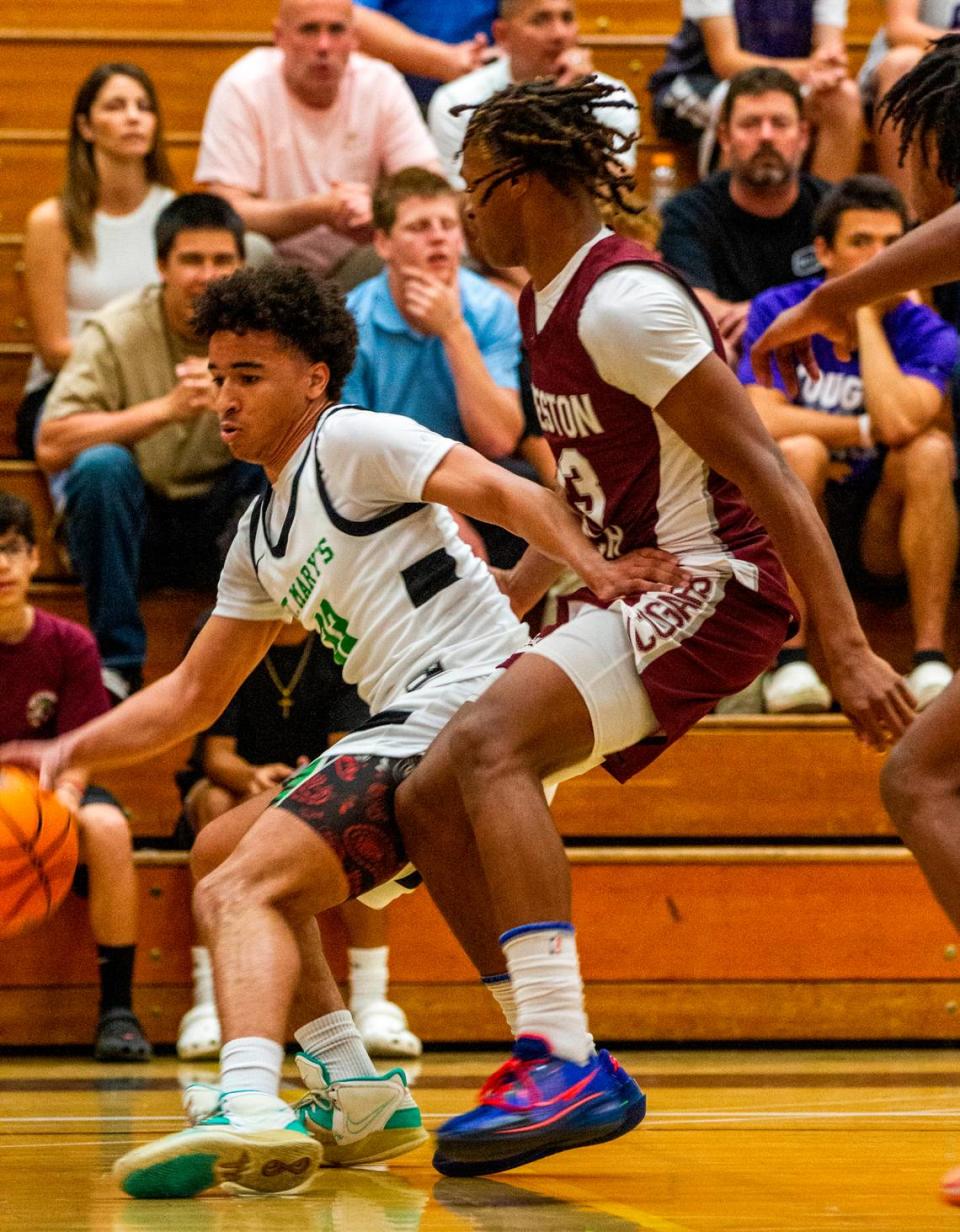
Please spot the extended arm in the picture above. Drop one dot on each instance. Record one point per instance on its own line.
(732, 440)
(926, 257)
(470, 484)
(178, 706)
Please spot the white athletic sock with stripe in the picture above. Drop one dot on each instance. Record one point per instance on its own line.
(335, 1040)
(501, 989)
(251, 1063)
(545, 973)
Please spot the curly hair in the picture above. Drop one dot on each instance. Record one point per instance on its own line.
(305, 313)
(925, 102)
(539, 127)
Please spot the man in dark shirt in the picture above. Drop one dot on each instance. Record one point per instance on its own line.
(748, 228)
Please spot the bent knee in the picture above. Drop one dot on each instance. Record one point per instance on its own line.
(930, 456)
(103, 823)
(805, 454)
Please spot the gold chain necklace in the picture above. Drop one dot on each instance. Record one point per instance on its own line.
(285, 700)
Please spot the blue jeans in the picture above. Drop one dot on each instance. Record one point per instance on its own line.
(123, 535)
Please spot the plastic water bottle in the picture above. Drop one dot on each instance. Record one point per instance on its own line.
(663, 179)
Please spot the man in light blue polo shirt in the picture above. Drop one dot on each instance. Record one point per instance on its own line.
(437, 342)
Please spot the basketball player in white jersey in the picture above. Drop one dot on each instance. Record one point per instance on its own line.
(347, 542)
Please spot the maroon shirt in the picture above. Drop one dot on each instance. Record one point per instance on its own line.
(50, 681)
(633, 486)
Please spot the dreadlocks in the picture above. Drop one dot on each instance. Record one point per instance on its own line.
(551, 130)
(926, 102)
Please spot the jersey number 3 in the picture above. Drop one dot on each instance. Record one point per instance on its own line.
(586, 496)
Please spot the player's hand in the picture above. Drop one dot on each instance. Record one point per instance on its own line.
(266, 778)
(571, 64)
(194, 392)
(642, 570)
(788, 340)
(873, 696)
(49, 760)
(432, 306)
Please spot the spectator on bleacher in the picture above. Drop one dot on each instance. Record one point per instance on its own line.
(720, 38)
(437, 342)
(51, 684)
(297, 135)
(750, 227)
(871, 441)
(282, 716)
(94, 241)
(911, 26)
(538, 38)
(148, 479)
(427, 41)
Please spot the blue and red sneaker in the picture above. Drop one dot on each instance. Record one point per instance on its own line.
(538, 1104)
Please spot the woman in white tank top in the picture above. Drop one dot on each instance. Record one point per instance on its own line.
(95, 240)
(896, 48)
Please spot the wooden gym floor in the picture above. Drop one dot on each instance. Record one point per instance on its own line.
(734, 1141)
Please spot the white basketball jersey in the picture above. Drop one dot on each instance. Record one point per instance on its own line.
(343, 544)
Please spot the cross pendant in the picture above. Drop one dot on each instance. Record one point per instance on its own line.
(286, 705)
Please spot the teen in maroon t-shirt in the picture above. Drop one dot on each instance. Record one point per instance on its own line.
(51, 684)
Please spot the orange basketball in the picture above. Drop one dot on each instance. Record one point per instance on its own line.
(38, 852)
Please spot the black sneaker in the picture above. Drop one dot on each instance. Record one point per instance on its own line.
(120, 1038)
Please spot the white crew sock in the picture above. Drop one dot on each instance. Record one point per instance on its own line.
(545, 974)
(202, 976)
(251, 1063)
(369, 975)
(501, 989)
(335, 1040)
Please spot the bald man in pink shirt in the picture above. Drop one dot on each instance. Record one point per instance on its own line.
(296, 135)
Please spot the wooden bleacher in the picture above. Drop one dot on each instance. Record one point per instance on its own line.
(748, 886)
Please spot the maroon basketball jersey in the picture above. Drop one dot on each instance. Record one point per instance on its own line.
(633, 481)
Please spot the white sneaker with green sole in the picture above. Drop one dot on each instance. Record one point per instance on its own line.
(358, 1120)
(251, 1143)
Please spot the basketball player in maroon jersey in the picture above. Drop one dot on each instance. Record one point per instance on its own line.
(656, 444)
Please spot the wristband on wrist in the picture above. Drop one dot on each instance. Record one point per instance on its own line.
(866, 432)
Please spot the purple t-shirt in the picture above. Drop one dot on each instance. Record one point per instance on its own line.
(923, 345)
(51, 680)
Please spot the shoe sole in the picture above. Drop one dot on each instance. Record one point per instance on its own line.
(182, 1165)
(373, 1149)
(448, 1166)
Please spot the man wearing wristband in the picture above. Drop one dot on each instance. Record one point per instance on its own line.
(869, 439)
